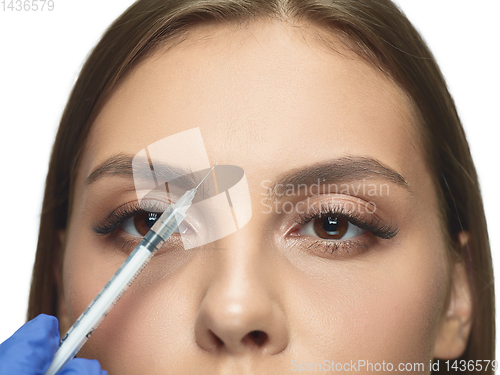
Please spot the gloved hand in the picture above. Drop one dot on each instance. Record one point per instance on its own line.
(30, 350)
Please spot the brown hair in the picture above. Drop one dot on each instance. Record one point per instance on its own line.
(375, 29)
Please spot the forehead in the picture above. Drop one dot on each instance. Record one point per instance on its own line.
(267, 91)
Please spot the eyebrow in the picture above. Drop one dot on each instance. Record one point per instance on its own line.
(345, 169)
(339, 170)
(118, 164)
(121, 165)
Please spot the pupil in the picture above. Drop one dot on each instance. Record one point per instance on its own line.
(144, 221)
(330, 224)
(151, 219)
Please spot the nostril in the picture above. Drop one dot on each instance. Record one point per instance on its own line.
(258, 337)
(253, 338)
(216, 340)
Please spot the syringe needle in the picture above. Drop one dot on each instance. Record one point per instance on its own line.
(196, 188)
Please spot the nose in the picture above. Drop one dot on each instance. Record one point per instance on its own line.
(240, 311)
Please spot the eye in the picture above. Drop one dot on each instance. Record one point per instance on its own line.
(140, 224)
(330, 227)
(334, 229)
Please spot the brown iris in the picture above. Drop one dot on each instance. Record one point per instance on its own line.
(144, 221)
(330, 227)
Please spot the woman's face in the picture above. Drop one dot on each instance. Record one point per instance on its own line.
(367, 282)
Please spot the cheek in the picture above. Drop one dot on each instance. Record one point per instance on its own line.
(85, 272)
(385, 309)
(140, 328)
(403, 306)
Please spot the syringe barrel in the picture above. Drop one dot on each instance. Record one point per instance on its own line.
(165, 227)
(90, 319)
(93, 315)
(172, 217)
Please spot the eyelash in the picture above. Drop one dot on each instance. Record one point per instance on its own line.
(373, 225)
(116, 219)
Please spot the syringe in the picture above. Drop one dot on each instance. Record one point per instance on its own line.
(93, 315)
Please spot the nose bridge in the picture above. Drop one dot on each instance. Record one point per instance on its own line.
(240, 310)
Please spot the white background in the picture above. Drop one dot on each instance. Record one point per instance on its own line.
(42, 53)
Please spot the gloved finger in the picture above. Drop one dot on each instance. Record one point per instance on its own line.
(31, 348)
(81, 366)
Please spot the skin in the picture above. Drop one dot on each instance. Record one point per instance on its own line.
(268, 97)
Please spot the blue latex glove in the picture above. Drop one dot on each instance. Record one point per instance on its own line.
(30, 350)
